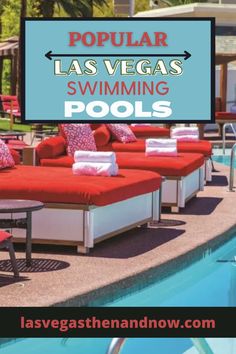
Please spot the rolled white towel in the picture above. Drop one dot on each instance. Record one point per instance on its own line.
(154, 151)
(95, 169)
(95, 156)
(140, 125)
(189, 138)
(184, 131)
(165, 143)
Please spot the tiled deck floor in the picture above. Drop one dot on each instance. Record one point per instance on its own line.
(206, 217)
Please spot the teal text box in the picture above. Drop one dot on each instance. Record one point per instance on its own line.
(118, 70)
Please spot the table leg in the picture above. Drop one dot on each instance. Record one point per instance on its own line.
(13, 258)
(28, 238)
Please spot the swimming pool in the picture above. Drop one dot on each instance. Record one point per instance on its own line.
(100, 345)
(225, 159)
(195, 285)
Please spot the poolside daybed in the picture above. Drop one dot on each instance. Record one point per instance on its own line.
(82, 210)
(200, 147)
(105, 142)
(184, 173)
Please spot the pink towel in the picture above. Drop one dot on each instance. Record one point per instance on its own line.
(160, 143)
(184, 131)
(189, 138)
(161, 147)
(154, 151)
(95, 169)
(140, 125)
(95, 156)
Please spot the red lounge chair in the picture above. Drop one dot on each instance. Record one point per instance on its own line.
(10, 105)
(225, 117)
(200, 147)
(82, 210)
(5, 242)
(184, 173)
(105, 143)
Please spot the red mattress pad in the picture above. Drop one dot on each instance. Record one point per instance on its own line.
(150, 131)
(59, 185)
(200, 147)
(181, 165)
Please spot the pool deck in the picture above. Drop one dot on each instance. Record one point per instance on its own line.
(118, 262)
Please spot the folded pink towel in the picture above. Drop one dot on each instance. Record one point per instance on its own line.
(161, 143)
(140, 125)
(189, 138)
(184, 131)
(95, 169)
(153, 151)
(161, 147)
(95, 156)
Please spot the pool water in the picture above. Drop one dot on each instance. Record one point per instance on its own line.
(100, 346)
(224, 159)
(196, 285)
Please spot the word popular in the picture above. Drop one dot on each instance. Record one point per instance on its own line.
(117, 39)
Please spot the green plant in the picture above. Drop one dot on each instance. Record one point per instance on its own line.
(72, 8)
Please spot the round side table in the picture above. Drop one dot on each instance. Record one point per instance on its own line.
(15, 206)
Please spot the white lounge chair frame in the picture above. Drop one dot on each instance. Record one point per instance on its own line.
(84, 226)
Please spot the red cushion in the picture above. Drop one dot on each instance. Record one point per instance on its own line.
(225, 115)
(51, 147)
(16, 156)
(4, 235)
(181, 165)
(101, 135)
(59, 185)
(136, 146)
(60, 161)
(150, 131)
(200, 147)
